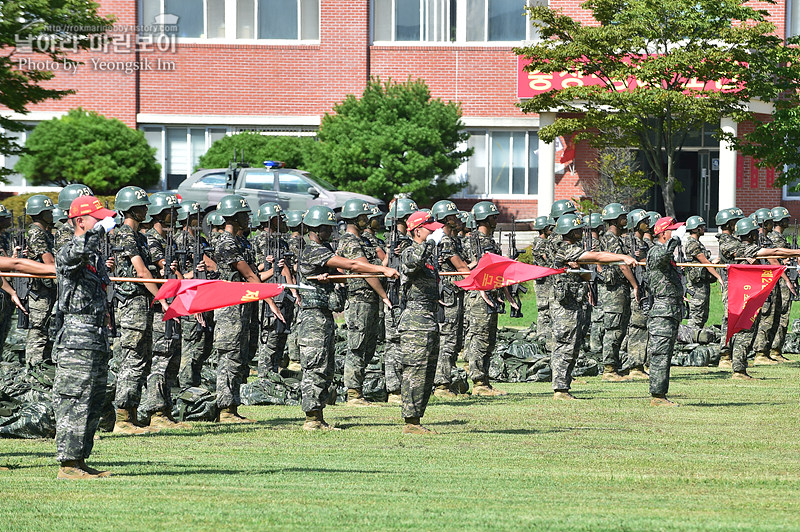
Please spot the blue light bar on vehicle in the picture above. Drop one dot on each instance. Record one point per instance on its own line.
(273, 164)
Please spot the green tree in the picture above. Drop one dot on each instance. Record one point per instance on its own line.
(393, 139)
(86, 147)
(649, 57)
(37, 29)
(296, 152)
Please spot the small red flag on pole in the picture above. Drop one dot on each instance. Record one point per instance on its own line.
(494, 271)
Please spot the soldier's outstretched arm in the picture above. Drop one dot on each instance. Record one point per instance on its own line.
(606, 257)
(360, 267)
(8, 264)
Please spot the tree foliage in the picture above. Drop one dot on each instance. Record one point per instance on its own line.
(619, 179)
(394, 138)
(41, 30)
(296, 152)
(86, 147)
(655, 60)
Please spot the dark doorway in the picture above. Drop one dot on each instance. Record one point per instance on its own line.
(698, 175)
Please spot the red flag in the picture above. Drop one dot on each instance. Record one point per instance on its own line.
(204, 295)
(748, 287)
(494, 271)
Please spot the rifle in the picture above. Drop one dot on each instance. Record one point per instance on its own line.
(171, 332)
(107, 251)
(792, 273)
(588, 245)
(639, 275)
(234, 168)
(684, 284)
(285, 300)
(22, 286)
(515, 289)
(393, 285)
(439, 284)
(498, 306)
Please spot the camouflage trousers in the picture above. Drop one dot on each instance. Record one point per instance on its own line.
(451, 341)
(568, 324)
(783, 322)
(6, 314)
(271, 346)
(165, 357)
(292, 346)
(742, 345)
(544, 323)
(419, 352)
(481, 338)
(663, 331)
(724, 346)
(253, 333)
(616, 303)
(391, 354)
(635, 342)
(196, 344)
(596, 331)
(39, 346)
(361, 318)
(135, 325)
(699, 304)
(769, 323)
(316, 331)
(231, 336)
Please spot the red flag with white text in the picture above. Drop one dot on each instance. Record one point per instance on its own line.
(495, 271)
(749, 285)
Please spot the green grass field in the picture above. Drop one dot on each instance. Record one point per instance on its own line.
(727, 459)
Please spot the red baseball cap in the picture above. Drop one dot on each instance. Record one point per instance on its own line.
(422, 219)
(89, 206)
(667, 223)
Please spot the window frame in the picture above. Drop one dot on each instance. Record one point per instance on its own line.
(490, 194)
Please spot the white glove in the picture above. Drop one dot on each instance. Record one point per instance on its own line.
(679, 232)
(108, 223)
(436, 236)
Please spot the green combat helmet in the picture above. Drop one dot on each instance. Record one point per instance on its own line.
(375, 212)
(59, 215)
(215, 219)
(567, 223)
(612, 211)
(484, 209)
(162, 201)
(294, 218)
(654, 216)
(4, 212)
(693, 222)
(353, 208)
(232, 204)
(562, 207)
(188, 208)
(745, 226)
(38, 204)
(405, 207)
(319, 215)
(779, 214)
(540, 224)
(444, 208)
(635, 217)
(70, 192)
(130, 197)
(762, 215)
(727, 215)
(267, 211)
(595, 220)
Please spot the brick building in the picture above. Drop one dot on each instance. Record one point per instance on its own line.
(209, 68)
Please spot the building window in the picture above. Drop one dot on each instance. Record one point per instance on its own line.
(233, 19)
(178, 149)
(15, 182)
(789, 193)
(504, 163)
(451, 21)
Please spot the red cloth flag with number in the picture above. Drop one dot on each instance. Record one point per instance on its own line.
(749, 285)
(494, 271)
(198, 295)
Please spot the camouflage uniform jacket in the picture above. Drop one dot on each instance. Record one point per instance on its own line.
(294, 245)
(777, 240)
(64, 233)
(540, 252)
(746, 250)
(228, 250)
(313, 261)
(157, 244)
(697, 275)
(376, 242)
(553, 241)
(728, 244)
(39, 242)
(5, 244)
(184, 249)
(421, 294)
(354, 247)
(475, 247)
(82, 279)
(611, 243)
(266, 245)
(450, 247)
(569, 288)
(129, 244)
(664, 281)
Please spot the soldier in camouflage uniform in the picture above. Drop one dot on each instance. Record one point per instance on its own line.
(667, 310)
(544, 286)
(615, 296)
(451, 329)
(780, 217)
(482, 307)
(557, 210)
(397, 241)
(637, 246)
(364, 296)
(294, 221)
(418, 326)
(42, 295)
(376, 225)
(316, 326)
(699, 279)
(728, 245)
(569, 293)
(81, 349)
(6, 302)
(65, 231)
(596, 315)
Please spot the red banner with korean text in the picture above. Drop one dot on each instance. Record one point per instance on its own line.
(749, 285)
(195, 296)
(494, 271)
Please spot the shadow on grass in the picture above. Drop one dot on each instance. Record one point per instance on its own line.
(179, 470)
(701, 376)
(707, 404)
